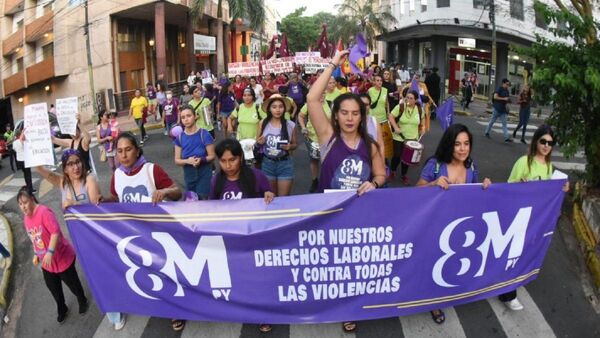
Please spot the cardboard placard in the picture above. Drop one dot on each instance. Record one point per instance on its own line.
(66, 114)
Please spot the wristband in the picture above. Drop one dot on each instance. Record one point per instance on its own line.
(375, 184)
(51, 251)
(333, 64)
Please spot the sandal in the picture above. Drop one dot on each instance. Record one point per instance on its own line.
(264, 328)
(438, 316)
(177, 324)
(349, 326)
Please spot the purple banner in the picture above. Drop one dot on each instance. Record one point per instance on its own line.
(316, 258)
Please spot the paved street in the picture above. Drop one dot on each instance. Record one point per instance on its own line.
(557, 304)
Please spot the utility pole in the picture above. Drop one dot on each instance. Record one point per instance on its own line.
(492, 77)
(86, 32)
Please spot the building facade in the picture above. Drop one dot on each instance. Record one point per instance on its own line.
(132, 42)
(456, 37)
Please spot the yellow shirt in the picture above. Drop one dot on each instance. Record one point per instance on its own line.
(137, 105)
(312, 133)
(200, 122)
(379, 111)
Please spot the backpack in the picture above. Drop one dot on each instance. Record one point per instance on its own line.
(403, 107)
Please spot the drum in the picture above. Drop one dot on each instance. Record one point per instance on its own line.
(248, 148)
(388, 141)
(411, 153)
(313, 150)
(207, 114)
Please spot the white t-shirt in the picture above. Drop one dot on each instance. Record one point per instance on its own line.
(137, 188)
(18, 148)
(259, 94)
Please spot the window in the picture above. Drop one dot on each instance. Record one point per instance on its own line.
(443, 3)
(48, 51)
(480, 4)
(540, 21)
(129, 38)
(516, 9)
(19, 64)
(49, 7)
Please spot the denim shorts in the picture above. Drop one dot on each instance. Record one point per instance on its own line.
(198, 179)
(278, 170)
(225, 114)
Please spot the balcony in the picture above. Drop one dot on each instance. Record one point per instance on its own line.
(13, 6)
(38, 27)
(14, 83)
(40, 71)
(12, 42)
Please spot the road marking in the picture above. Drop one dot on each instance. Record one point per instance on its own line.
(528, 322)
(509, 125)
(7, 179)
(45, 187)
(319, 330)
(197, 329)
(134, 327)
(422, 325)
(569, 166)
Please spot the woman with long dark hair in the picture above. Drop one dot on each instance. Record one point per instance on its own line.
(277, 136)
(344, 141)
(247, 116)
(451, 164)
(534, 166)
(524, 102)
(226, 104)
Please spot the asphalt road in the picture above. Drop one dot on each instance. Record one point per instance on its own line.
(557, 304)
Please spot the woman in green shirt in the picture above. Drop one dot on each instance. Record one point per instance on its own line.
(247, 115)
(406, 121)
(199, 102)
(534, 166)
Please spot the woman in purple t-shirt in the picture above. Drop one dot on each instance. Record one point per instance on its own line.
(451, 164)
(350, 157)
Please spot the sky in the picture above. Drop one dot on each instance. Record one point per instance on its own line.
(285, 7)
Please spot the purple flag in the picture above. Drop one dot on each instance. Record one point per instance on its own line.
(445, 114)
(358, 52)
(318, 257)
(414, 85)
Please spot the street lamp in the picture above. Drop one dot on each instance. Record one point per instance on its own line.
(151, 42)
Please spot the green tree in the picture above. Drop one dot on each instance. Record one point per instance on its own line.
(567, 75)
(302, 31)
(252, 10)
(367, 17)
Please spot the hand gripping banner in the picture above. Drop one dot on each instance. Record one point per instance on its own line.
(316, 258)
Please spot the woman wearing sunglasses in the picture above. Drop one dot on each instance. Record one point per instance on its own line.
(77, 186)
(534, 166)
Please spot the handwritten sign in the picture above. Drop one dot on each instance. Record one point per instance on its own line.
(66, 114)
(315, 64)
(244, 68)
(278, 66)
(38, 143)
(302, 58)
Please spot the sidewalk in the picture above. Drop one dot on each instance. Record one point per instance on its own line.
(125, 124)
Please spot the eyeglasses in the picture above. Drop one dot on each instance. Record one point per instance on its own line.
(73, 163)
(545, 142)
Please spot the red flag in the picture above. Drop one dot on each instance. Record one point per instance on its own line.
(271, 50)
(283, 48)
(322, 44)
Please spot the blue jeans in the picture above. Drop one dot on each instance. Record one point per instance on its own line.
(198, 179)
(502, 117)
(524, 113)
(114, 317)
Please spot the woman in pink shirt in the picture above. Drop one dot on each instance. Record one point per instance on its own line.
(53, 250)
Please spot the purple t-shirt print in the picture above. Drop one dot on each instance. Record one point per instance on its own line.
(344, 168)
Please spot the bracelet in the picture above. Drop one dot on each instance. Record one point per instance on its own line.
(51, 251)
(375, 184)
(333, 64)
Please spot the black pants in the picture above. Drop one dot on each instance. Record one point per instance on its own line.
(26, 175)
(398, 147)
(54, 284)
(12, 159)
(507, 297)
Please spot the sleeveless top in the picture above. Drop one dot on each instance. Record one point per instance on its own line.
(273, 136)
(136, 188)
(342, 167)
(105, 133)
(82, 198)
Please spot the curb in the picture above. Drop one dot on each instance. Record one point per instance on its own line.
(588, 242)
(462, 112)
(8, 269)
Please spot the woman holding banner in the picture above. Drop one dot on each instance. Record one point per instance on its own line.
(53, 250)
(536, 165)
(345, 141)
(451, 164)
(138, 181)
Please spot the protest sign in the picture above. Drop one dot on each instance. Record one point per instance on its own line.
(318, 257)
(66, 114)
(278, 66)
(243, 68)
(315, 64)
(38, 149)
(302, 58)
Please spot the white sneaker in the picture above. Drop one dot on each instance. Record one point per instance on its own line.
(514, 305)
(121, 324)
